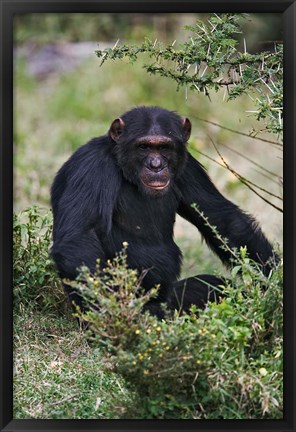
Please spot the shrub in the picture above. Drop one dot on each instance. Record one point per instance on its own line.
(35, 279)
(222, 362)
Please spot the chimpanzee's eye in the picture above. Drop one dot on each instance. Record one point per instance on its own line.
(143, 146)
(164, 147)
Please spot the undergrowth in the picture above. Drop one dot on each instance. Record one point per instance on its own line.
(223, 362)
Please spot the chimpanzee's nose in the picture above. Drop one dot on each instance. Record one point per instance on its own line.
(155, 163)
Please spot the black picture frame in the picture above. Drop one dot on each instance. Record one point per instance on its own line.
(8, 9)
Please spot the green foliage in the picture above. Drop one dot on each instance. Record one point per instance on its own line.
(115, 321)
(56, 373)
(33, 269)
(211, 59)
(222, 362)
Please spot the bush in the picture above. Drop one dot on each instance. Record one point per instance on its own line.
(35, 279)
(224, 362)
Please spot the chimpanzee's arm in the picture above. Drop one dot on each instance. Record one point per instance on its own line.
(71, 253)
(83, 196)
(232, 223)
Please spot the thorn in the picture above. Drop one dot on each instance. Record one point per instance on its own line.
(252, 99)
(208, 49)
(225, 91)
(202, 28)
(217, 16)
(115, 44)
(271, 80)
(204, 71)
(269, 88)
(200, 37)
(213, 26)
(280, 119)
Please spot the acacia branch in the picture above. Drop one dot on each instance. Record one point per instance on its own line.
(241, 179)
(238, 132)
(247, 182)
(253, 162)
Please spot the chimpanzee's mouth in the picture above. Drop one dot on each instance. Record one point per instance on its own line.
(157, 185)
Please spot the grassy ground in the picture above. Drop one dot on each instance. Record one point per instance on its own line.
(57, 373)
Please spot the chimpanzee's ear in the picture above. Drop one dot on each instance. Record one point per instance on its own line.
(186, 125)
(116, 129)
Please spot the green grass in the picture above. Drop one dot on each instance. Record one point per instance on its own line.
(57, 374)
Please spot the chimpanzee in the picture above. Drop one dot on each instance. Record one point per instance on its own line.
(128, 186)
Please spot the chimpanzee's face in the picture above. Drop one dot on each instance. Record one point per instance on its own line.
(157, 162)
(153, 153)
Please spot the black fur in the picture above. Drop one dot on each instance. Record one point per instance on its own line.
(105, 195)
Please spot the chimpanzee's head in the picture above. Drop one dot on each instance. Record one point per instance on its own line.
(150, 147)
